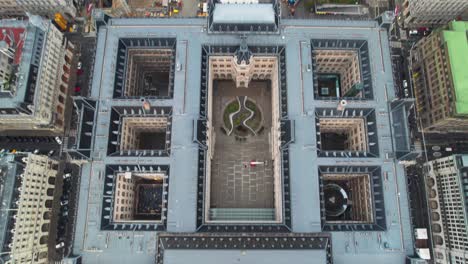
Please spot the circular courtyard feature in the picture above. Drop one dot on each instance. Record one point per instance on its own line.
(230, 109)
(336, 199)
(242, 117)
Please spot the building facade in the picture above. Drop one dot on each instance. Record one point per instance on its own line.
(432, 12)
(446, 184)
(27, 195)
(439, 78)
(6, 68)
(37, 94)
(345, 63)
(125, 198)
(47, 8)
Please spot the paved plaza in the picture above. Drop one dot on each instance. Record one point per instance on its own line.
(234, 183)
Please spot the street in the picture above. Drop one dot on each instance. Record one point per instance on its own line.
(62, 226)
(29, 144)
(418, 198)
(85, 49)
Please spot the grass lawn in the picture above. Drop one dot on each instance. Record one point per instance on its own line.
(257, 117)
(230, 108)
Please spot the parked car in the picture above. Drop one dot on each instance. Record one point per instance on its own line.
(65, 202)
(79, 65)
(66, 176)
(77, 90)
(51, 153)
(60, 245)
(413, 32)
(58, 140)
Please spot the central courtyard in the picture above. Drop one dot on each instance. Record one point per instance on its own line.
(235, 182)
(244, 169)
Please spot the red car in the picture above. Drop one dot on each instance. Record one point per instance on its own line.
(77, 89)
(79, 72)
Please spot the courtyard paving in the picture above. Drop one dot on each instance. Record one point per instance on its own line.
(234, 183)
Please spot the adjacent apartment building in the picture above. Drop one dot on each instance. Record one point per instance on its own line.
(27, 188)
(432, 12)
(447, 188)
(47, 8)
(440, 77)
(34, 75)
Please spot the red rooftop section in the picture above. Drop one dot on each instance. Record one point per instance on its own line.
(14, 37)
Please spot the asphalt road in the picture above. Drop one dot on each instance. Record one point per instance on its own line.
(418, 198)
(43, 146)
(85, 52)
(68, 221)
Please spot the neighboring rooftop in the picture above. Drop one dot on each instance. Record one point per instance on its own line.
(8, 193)
(457, 46)
(14, 38)
(237, 13)
(28, 46)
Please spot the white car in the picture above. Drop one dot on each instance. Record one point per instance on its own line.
(60, 245)
(67, 175)
(413, 32)
(79, 65)
(405, 84)
(58, 140)
(64, 202)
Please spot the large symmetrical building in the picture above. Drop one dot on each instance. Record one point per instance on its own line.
(440, 78)
(432, 13)
(446, 184)
(27, 191)
(241, 138)
(35, 75)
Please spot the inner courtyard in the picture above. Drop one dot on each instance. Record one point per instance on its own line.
(243, 170)
(235, 183)
(148, 72)
(139, 197)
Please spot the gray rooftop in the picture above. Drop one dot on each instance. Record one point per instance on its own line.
(9, 170)
(98, 246)
(245, 256)
(237, 13)
(25, 62)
